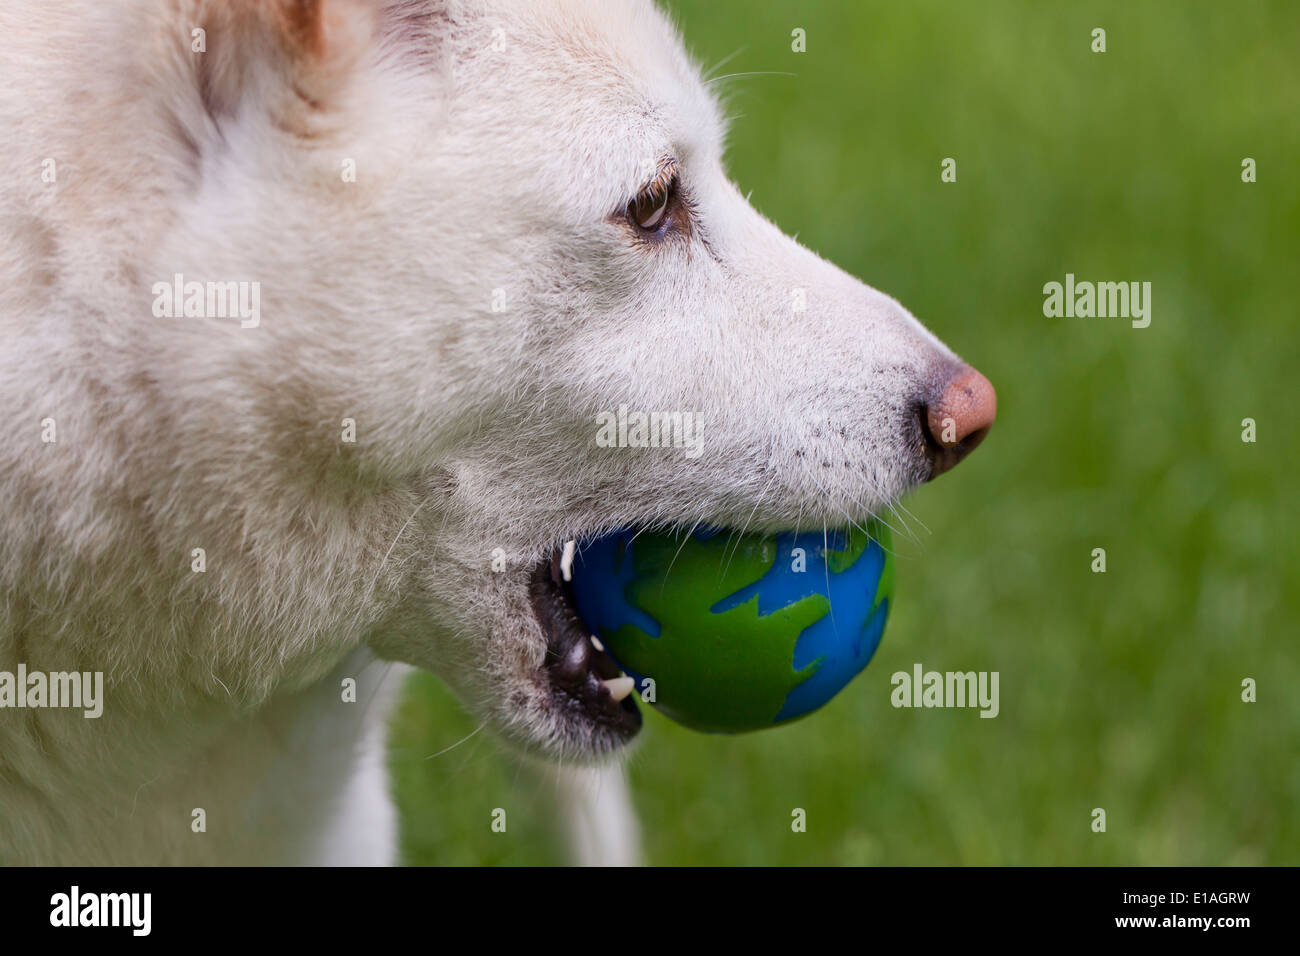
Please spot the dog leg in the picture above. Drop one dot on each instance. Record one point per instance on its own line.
(596, 813)
(327, 799)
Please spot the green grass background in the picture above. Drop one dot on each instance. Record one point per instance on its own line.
(1119, 690)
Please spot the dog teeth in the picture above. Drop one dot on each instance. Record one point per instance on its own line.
(595, 642)
(619, 687)
(566, 560)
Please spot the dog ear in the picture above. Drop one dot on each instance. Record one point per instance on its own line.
(296, 56)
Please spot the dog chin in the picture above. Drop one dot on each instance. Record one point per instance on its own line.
(557, 694)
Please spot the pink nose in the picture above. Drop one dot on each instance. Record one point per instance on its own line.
(959, 419)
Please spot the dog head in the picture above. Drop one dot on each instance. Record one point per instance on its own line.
(487, 231)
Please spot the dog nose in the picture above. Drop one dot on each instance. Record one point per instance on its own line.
(958, 419)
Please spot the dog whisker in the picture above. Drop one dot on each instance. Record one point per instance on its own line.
(457, 743)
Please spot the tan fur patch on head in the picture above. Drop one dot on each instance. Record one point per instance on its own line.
(303, 23)
(313, 47)
(321, 30)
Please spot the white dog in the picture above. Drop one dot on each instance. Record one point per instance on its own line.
(309, 310)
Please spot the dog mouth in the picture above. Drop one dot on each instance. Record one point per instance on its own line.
(586, 681)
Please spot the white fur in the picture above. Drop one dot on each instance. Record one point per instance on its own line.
(495, 143)
(594, 808)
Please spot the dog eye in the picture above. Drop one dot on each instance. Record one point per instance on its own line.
(648, 211)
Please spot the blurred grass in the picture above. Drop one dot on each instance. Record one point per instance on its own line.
(1118, 690)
